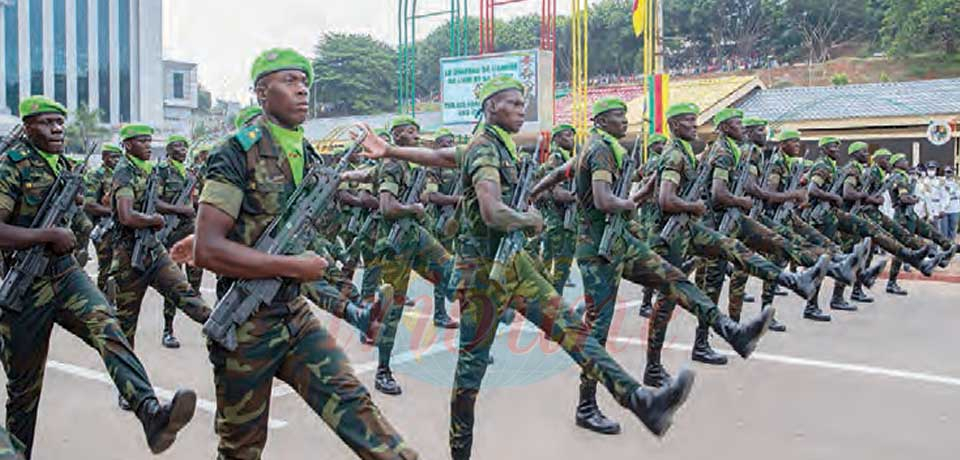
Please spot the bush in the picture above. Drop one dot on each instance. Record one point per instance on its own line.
(840, 79)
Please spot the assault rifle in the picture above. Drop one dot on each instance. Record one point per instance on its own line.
(15, 135)
(104, 226)
(868, 184)
(570, 214)
(448, 212)
(732, 214)
(171, 221)
(693, 192)
(787, 207)
(400, 226)
(289, 233)
(58, 209)
(757, 202)
(145, 238)
(513, 242)
(814, 214)
(613, 227)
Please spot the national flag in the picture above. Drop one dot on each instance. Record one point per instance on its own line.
(639, 16)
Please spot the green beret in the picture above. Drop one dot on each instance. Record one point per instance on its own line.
(278, 59)
(134, 130)
(897, 157)
(727, 114)
(442, 132)
(37, 105)
(245, 115)
(828, 140)
(683, 108)
(177, 138)
(111, 148)
(653, 139)
(561, 128)
(788, 135)
(381, 132)
(754, 121)
(882, 153)
(402, 120)
(607, 104)
(857, 146)
(498, 84)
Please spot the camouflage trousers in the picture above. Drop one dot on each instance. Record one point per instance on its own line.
(194, 277)
(558, 250)
(82, 232)
(286, 341)
(758, 237)
(334, 293)
(72, 301)
(640, 265)
(710, 244)
(104, 260)
(419, 251)
(909, 221)
(161, 274)
(531, 295)
(836, 221)
(801, 234)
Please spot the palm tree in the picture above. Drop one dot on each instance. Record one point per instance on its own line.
(84, 128)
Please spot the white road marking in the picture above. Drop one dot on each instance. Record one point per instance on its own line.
(96, 376)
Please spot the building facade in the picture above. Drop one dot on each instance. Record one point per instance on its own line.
(180, 94)
(102, 54)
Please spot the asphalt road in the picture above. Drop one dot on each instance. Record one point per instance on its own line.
(881, 383)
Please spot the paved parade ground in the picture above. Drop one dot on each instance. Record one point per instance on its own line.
(881, 383)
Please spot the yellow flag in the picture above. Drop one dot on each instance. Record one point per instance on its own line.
(639, 16)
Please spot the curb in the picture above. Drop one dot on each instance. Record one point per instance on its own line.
(913, 275)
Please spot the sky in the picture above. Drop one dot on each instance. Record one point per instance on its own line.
(224, 36)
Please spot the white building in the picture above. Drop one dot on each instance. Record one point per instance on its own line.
(104, 54)
(180, 94)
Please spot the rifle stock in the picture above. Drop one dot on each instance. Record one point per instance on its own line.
(145, 238)
(616, 221)
(678, 221)
(512, 242)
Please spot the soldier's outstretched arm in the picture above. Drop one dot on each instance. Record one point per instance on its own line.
(377, 148)
(215, 252)
(551, 179)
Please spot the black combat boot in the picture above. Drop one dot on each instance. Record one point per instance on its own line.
(654, 374)
(742, 337)
(655, 407)
(747, 298)
(775, 326)
(869, 276)
(837, 302)
(588, 413)
(859, 295)
(843, 269)
(703, 352)
(947, 256)
(919, 260)
(805, 283)
(161, 422)
(385, 383)
(895, 289)
(778, 291)
(442, 320)
(124, 404)
(169, 340)
(813, 312)
(646, 307)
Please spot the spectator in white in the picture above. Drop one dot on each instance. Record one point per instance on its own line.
(952, 212)
(934, 194)
(917, 176)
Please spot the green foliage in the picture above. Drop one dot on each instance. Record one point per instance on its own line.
(355, 74)
(840, 79)
(84, 128)
(921, 26)
(884, 77)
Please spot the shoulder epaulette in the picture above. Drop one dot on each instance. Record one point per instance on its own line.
(248, 136)
(18, 155)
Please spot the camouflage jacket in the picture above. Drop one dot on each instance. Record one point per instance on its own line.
(724, 160)
(172, 184)
(552, 211)
(902, 186)
(823, 173)
(129, 181)
(599, 163)
(96, 185)
(249, 179)
(678, 165)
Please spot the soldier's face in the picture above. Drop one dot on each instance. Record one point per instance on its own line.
(406, 136)
(201, 157)
(138, 146)
(860, 155)
(883, 162)
(758, 135)
(446, 142)
(177, 151)
(832, 150)
(684, 126)
(507, 110)
(110, 159)
(656, 148)
(45, 131)
(791, 147)
(564, 139)
(902, 164)
(284, 96)
(614, 122)
(733, 128)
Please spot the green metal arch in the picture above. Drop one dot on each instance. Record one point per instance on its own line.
(407, 16)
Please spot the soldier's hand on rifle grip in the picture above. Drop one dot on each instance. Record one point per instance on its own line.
(800, 196)
(698, 208)
(157, 222)
(745, 203)
(534, 219)
(186, 211)
(309, 266)
(60, 240)
(418, 210)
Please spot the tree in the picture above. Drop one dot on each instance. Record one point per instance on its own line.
(84, 128)
(355, 74)
(825, 23)
(921, 26)
(204, 99)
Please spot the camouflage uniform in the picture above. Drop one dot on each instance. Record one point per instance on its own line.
(129, 181)
(64, 295)
(441, 181)
(559, 242)
(417, 250)
(646, 221)
(679, 166)
(96, 190)
(906, 216)
(172, 183)
(250, 180)
(482, 301)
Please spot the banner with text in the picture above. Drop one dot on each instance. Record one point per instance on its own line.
(461, 78)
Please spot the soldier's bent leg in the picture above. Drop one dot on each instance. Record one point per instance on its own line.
(318, 369)
(170, 281)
